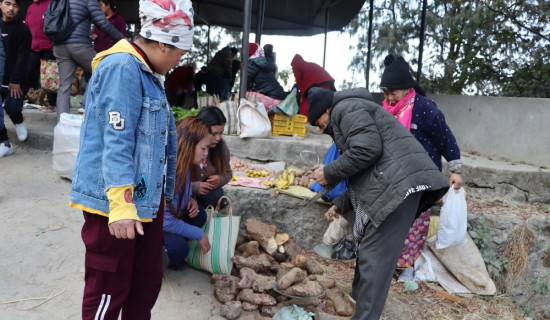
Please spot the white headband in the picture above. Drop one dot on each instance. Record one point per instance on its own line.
(167, 21)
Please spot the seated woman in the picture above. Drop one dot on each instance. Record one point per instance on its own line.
(261, 72)
(212, 174)
(184, 217)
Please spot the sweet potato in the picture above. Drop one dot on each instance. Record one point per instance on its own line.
(263, 233)
(231, 310)
(256, 298)
(291, 277)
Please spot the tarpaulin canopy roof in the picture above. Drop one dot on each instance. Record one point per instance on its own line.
(282, 17)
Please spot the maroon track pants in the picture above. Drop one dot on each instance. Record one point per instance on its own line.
(121, 274)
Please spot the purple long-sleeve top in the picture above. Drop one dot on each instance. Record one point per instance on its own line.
(172, 224)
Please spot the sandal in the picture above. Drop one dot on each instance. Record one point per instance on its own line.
(48, 109)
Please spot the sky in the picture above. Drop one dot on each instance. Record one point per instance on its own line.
(337, 60)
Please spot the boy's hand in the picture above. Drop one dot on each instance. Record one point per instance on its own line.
(125, 229)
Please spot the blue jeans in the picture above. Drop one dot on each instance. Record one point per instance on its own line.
(14, 109)
(177, 246)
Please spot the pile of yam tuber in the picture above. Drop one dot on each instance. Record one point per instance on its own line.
(265, 258)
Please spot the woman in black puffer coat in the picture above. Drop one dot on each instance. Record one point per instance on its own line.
(261, 73)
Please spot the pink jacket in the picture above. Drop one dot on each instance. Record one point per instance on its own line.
(35, 21)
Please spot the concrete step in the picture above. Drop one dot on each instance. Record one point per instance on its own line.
(483, 175)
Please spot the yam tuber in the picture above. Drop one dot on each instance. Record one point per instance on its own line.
(251, 248)
(257, 263)
(269, 311)
(325, 282)
(224, 294)
(291, 277)
(299, 261)
(231, 310)
(341, 303)
(307, 289)
(313, 267)
(291, 249)
(263, 233)
(279, 257)
(240, 240)
(258, 282)
(281, 238)
(284, 267)
(256, 298)
(247, 306)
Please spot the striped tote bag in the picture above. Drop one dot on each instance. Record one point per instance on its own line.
(222, 230)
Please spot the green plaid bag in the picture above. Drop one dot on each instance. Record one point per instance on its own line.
(290, 104)
(222, 230)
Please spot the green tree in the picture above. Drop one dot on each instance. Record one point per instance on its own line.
(486, 47)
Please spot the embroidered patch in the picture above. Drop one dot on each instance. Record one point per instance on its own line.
(116, 120)
(128, 196)
(140, 191)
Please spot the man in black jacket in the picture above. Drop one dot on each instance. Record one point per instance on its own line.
(391, 179)
(16, 38)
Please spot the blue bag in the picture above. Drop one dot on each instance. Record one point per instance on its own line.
(332, 154)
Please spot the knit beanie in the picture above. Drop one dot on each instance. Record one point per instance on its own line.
(397, 74)
(319, 100)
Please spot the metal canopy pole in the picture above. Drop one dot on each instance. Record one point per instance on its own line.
(208, 46)
(244, 51)
(327, 12)
(369, 44)
(260, 21)
(422, 36)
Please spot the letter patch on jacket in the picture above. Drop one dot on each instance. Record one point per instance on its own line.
(116, 120)
(140, 191)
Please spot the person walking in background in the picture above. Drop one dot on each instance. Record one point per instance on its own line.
(16, 40)
(215, 172)
(126, 165)
(5, 145)
(391, 179)
(307, 75)
(405, 99)
(102, 41)
(41, 49)
(77, 49)
(184, 216)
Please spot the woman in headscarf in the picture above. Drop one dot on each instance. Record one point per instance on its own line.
(261, 72)
(125, 170)
(308, 75)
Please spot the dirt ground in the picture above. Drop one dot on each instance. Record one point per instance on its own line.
(42, 256)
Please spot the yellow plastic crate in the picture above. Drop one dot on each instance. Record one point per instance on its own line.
(282, 124)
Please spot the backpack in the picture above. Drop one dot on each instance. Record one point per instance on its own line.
(58, 25)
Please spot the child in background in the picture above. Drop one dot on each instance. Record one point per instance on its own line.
(184, 217)
(211, 175)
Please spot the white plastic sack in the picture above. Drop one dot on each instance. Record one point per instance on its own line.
(253, 120)
(336, 231)
(453, 221)
(66, 139)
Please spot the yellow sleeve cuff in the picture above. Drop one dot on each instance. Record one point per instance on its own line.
(121, 204)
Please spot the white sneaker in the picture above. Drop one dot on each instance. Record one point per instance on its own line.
(21, 131)
(5, 149)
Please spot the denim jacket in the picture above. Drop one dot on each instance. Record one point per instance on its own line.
(128, 136)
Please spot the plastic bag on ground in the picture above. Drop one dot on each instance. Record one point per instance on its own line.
(336, 231)
(344, 250)
(293, 312)
(66, 139)
(453, 221)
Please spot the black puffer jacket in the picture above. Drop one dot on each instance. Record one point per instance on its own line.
(261, 77)
(87, 12)
(381, 159)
